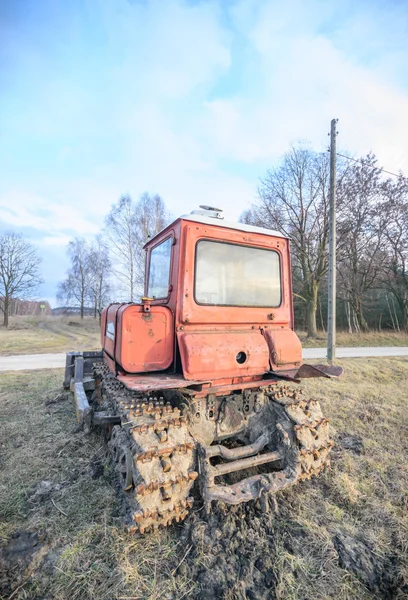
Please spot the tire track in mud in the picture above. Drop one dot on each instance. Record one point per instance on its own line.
(231, 553)
(245, 553)
(80, 335)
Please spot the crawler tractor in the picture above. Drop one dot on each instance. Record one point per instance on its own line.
(195, 385)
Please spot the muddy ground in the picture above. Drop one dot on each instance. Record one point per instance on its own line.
(344, 535)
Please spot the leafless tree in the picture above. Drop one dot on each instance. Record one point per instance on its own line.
(395, 272)
(19, 270)
(294, 199)
(99, 263)
(128, 227)
(361, 234)
(76, 287)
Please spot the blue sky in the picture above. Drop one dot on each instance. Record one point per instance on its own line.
(190, 99)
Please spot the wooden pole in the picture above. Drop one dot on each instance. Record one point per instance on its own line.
(331, 321)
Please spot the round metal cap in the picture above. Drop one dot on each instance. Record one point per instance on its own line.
(205, 207)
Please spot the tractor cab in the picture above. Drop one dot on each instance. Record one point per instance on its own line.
(217, 305)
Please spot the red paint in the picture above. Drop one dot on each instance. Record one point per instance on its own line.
(139, 341)
(284, 347)
(209, 338)
(205, 353)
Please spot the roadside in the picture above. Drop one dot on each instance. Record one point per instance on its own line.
(56, 361)
(49, 335)
(35, 335)
(356, 352)
(344, 339)
(343, 535)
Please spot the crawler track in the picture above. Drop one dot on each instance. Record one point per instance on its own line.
(312, 430)
(153, 453)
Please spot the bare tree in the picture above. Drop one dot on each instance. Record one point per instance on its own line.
(128, 227)
(76, 286)
(99, 272)
(293, 198)
(19, 270)
(396, 231)
(121, 232)
(361, 233)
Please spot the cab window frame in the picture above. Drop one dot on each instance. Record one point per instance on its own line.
(149, 261)
(255, 247)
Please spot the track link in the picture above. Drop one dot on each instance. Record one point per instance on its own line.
(312, 430)
(153, 454)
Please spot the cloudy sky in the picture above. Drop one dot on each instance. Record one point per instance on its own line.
(192, 99)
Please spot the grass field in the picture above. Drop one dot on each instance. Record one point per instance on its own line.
(343, 535)
(347, 340)
(34, 335)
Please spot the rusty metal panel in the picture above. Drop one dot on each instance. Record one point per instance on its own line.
(139, 341)
(147, 383)
(328, 371)
(147, 338)
(216, 354)
(284, 346)
(108, 328)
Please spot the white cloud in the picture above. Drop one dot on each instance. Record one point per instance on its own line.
(44, 213)
(307, 82)
(53, 241)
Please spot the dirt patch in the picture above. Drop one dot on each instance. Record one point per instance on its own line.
(20, 556)
(239, 554)
(373, 570)
(353, 443)
(231, 554)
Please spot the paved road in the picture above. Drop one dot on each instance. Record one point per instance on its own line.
(55, 361)
(32, 361)
(357, 352)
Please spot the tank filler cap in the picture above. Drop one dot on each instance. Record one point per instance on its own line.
(209, 211)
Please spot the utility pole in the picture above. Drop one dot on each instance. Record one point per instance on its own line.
(331, 321)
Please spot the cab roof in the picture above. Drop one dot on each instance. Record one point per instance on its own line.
(231, 225)
(220, 222)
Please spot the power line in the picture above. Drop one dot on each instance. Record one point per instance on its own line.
(370, 166)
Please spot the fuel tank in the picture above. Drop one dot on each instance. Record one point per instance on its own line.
(136, 340)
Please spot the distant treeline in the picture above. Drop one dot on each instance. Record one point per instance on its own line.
(372, 238)
(72, 310)
(26, 307)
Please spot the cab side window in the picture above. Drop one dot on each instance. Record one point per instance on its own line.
(159, 271)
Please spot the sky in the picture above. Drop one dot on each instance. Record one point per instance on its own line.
(191, 99)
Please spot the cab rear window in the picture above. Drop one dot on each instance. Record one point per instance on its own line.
(233, 275)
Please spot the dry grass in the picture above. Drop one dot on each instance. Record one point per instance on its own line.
(347, 340)
(35, 335)
(40, 335)
(363, 496)
(86, 554)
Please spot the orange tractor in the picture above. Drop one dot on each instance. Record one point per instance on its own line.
(193, 384)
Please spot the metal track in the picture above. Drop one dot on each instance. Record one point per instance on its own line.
(153, 453)
(300, 445)
(312, 430)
